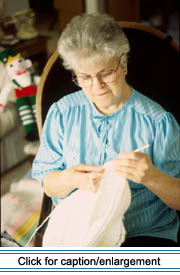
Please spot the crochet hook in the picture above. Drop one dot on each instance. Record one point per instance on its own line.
(141, 148)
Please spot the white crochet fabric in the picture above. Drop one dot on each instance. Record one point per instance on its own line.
(91, 219)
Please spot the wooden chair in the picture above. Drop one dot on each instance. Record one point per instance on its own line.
(153, 69)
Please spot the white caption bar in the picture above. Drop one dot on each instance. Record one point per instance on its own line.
(89, 260)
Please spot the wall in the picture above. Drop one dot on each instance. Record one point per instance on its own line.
(124, 10)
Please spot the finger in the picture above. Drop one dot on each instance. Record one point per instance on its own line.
(131, 155)
(128, 155)
(124, 165)
(124, 162)
(136, 165)
(86, 168)
(95, 175)
(83, 181)
(87, 181)
(94, 180)
(131, 173)
(95, 185)
(127, 175)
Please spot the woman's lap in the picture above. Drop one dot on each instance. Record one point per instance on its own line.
(147, 241)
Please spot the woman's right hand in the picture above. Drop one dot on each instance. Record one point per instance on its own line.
(80, 176)
(61, 183)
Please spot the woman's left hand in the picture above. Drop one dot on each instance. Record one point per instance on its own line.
(136, 167)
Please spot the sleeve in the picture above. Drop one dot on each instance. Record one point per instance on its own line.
(50, 154)
(166, 151)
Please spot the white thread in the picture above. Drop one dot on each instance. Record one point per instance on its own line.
(32, 236)
(91, 175)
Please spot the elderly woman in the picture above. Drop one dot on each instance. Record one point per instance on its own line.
(106, 120)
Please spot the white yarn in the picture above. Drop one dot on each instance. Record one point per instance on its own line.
(91, 219)
(98, 217)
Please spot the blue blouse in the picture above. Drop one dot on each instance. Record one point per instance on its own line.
(76, 132)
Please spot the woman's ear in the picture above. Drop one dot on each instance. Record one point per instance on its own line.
(124, 63)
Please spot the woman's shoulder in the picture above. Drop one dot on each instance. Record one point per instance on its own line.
(75, 99)
(145, 106)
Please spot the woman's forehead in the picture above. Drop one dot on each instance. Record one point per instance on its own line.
(90, 65)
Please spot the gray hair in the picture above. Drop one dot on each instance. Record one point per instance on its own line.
(92, 35)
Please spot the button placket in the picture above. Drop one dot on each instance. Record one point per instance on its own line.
(107, 130)
(102, 129)
(106, 141)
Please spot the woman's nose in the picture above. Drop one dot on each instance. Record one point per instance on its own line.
(97, 82)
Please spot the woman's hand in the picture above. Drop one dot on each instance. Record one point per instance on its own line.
(80, 177)
(60, 183)
(139, 168)
(136, 167)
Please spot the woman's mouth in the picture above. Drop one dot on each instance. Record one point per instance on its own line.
(102, 94)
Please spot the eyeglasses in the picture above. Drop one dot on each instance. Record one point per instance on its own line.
(107, 76)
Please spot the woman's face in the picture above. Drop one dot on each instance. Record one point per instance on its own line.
(107, 96)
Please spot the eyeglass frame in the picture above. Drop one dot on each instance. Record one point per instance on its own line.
(74, 77)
